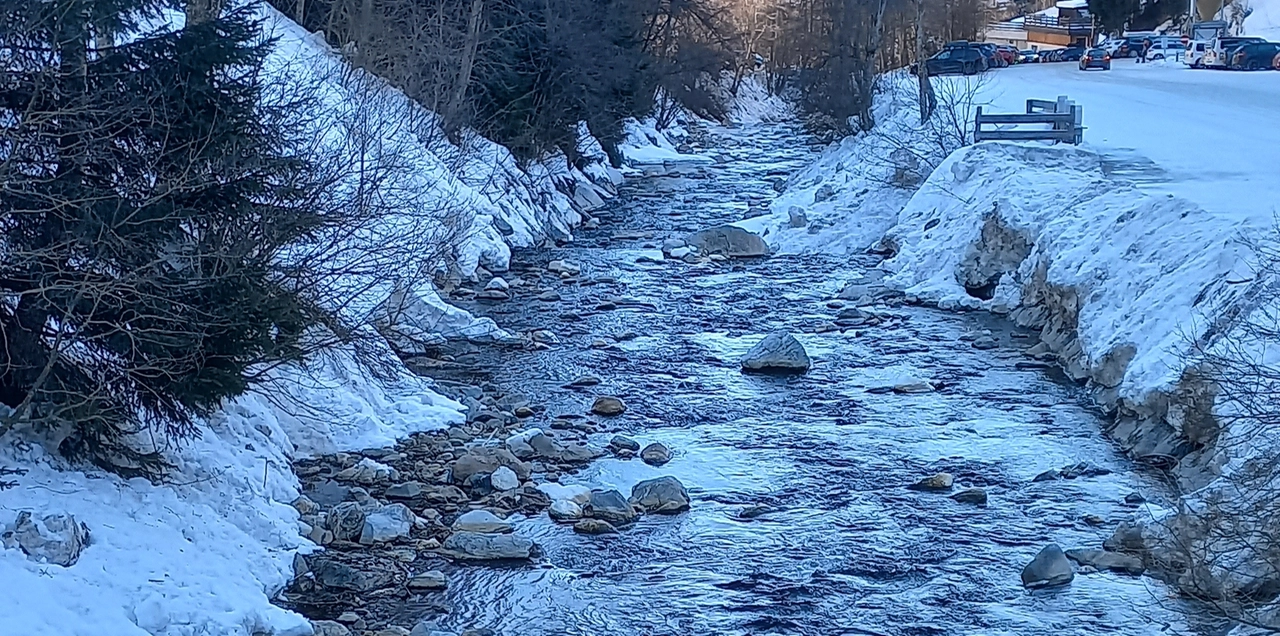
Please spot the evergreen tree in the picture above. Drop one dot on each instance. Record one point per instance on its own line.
(149, 194)
(1113, 15)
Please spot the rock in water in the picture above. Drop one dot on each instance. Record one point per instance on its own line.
(504, 479)
(56, 539)
(485, 461)
(610, 506)
(481, 521)
(664, 496)
(1049, 568)
(655, 454)
(387, 524)
(433, 580)
(728, 240)
(594, 526)
(1103, 560)
(474, 546)
(564, 510)
(937, 483)
(778, 352)
(976, 496)
(623, 443)
(608, 405)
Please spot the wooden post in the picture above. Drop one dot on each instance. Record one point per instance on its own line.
(1077, 119)
(977, 125)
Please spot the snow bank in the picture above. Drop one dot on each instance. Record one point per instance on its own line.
(752, 103)
(203, 554)
(643, 144)
(1263, 19)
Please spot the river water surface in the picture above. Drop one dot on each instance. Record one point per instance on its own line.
(846, 549)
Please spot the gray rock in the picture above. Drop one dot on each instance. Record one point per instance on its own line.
(1103, 560)
(608, 405)
(664, 496)
(610, 506)
(481, 521)
(564, 268)
(1049, 568)
(428, 628)
(485, 461)
(336, 574)
(624, 443)
(655, 454)
(594, 526)
(433, 580)
(796, 217)
(976, 496)
(564, 510)
(387, 524)
(985, 343)
(728, 240)
(778, 352)
(672, 244)
(305, 506)
(504, 479)
(940, 482)
(824, 193)
(58, 539)
(346, 521)
(329, 628)
(366, 472)
(475, 546)
(407, 490)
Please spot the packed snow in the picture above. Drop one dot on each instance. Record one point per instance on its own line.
(645, 144)
(1263, 19)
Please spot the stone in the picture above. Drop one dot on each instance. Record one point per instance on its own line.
(1103, 560)
(608, 406)
(329, 628)
(823, 193)
(609, 505)
(475, 546)
(335, 574)
(497, 283)
(664, 496)
(672, 244)
(586, 380)
(407, 490)
(346, 521)
(564, 510)
(394, 630)
(594, 526)
(484, 461)
(796, 217)
(655, 454)
(937, 483)
(728, 240)
(428, 628)
(524, 412)
(387, 524)
(504, 479)
(549, 297)
(481, 521)
(1048, 475)
(777, 352)
(305, 506)
(57, 538)
(564, 268)
(976, 496)
(911, 388)
(433, 580)
(544, 336)
(366, 472)
(682, 252)
(493, 294)
(1127, 537)
(985, 343)
(348, 617)
(1049, 568)
(1134, 499)
(623, 443)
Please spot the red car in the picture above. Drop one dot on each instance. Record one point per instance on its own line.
(1007, 53)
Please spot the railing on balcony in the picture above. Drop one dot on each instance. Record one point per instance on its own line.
(1070, 26)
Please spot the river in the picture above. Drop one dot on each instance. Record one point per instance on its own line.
(845, 548)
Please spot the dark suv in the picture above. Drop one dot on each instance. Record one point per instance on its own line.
(966, 60)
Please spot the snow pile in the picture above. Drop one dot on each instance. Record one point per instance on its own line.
(851, 195)
(1149, 272)
(644, 144)
(1263, 19)
(752, 103)
(203, 554)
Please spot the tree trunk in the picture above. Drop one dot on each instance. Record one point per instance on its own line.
(928, 101)
(200, 11)
(866, 72)
(463, 81)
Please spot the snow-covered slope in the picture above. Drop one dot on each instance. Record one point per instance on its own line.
(1263, 19)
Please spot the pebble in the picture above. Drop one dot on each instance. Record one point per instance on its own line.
(937, 483)
(655, 454)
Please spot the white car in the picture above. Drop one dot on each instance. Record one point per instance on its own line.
(1166, 50)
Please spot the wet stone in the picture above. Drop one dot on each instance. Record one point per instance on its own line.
(975, 496)
(433, 580)
(407, 490)
(778, 352)
(610, 506)
(474, 546)
(940, 482)
(1107, 561)
(1049, 568)
(664, 496)
(481, 521)
(608, 406)
(594, 526)
(655, 454)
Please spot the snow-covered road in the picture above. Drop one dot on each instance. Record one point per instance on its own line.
(1212, 137)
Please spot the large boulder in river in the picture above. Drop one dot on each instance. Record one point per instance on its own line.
(486, 460)
(387, 524)
(481, 521)
(474, 546)
(1103, 560)
(610, 506)
(1049, 568)
(779, 352)
(728, 240)
(664, 496)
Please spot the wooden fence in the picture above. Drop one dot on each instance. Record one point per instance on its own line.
(1064, 118)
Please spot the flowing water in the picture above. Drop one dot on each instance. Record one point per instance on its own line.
(846, 549)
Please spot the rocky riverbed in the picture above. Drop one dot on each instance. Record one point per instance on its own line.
(916, 473)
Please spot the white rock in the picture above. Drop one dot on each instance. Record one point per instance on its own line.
(577, 494)
(504, 479)
(681, 252)
(366, 471)
(564, 267)
(387, 524)
(565, 510)
(481, 521)
(497, 284)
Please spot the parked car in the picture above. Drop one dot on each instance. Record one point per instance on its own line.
(1009, 53)
(1072, 53)
(1096, 58)
(1217, 53)
(1052, 55)
(1028, 57)
(1255, 57)
(1166, 49)
(991, 55)
(1132, 46)
(962, 60)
